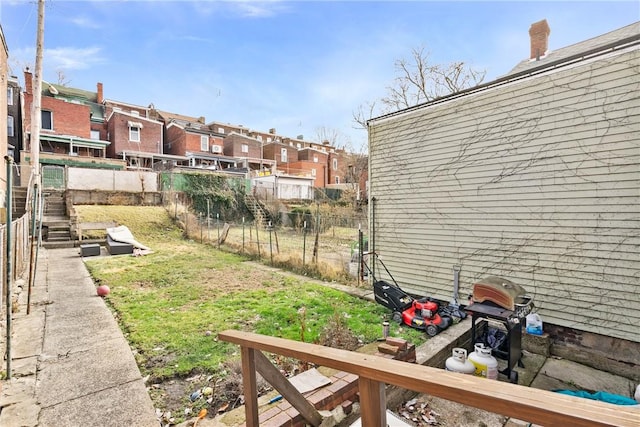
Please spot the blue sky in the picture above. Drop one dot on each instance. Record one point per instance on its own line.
(294, 66)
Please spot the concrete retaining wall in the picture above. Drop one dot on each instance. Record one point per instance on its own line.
(111, 180)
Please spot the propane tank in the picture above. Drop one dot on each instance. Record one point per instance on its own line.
(486, 365)
(458, 362)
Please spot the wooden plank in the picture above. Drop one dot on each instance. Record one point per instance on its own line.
(532, 405)
(373, 405)
(249, 385)
(286, 389)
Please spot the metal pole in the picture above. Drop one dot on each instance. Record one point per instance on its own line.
(8, 160)
(304, 242)
(218, 226)
(208, 222)
(270, 247)
(32, 256)
(257, 238)
(372, 238)
(242, 235)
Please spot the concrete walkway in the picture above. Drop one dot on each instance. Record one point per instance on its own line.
(70, 364)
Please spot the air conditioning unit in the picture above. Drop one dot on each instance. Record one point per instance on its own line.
(216, 149)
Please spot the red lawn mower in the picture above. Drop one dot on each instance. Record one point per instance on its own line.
(422, 313)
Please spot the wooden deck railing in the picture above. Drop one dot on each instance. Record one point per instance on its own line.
(533, 405)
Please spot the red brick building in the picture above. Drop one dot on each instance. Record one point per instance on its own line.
(133, 134)
(72, 121)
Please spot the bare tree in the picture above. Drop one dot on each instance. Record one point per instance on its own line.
(333, 136)
(420, 81)
(62, 78)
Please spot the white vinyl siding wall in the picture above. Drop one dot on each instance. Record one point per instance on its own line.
(536, 180)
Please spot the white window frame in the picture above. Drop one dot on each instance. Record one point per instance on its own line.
(315, 159)
(335, 166)
(283, 155)
(313, 173)
(42, 113)
(95, 135)
(10, 126)
(9, 95)
(134, 133)
(244, 148)
(204, 143)
(220, 130)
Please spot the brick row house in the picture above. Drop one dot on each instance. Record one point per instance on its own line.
(73, 124)
(81, 128)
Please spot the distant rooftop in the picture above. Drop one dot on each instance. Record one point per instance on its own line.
(581, 47)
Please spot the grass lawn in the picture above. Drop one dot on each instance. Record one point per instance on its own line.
(172, 303)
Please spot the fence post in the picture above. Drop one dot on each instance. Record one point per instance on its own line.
(218, 225)
(304, 242)
(242, 236)
(270, 246)
(8, 280)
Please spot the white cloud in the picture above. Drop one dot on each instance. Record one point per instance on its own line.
(243, 8)
(84, 22)
(71, 58)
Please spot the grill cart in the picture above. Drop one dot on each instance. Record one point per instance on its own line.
(506, 302)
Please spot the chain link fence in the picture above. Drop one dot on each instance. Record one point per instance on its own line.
(319, 242)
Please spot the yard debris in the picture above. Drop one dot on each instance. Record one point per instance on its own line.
(419, 413)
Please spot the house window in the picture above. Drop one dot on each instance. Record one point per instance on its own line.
(283, 155)
(10, 126)
(245, 148)
(9, 96)
(47, 120)
(204, 143)
(335, 166)
(269, 139)
(337, 180)
(220, 130)
(95, 135)
(298, 145)
(134, 133)
(315, 159)
(259, 137)
(313, 172)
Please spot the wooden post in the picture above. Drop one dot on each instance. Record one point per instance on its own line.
(250, 386)
(373, 405)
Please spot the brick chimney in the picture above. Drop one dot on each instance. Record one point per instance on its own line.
(539, 34)
(99, 95)
(28, 81)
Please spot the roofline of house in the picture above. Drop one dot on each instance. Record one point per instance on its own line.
(124, 113)
(618, 45)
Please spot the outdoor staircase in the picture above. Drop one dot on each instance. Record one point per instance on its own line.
(56, 228)
(260, 214)
(18, 201)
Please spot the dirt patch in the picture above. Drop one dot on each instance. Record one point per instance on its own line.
(230, 280)
(177, 399)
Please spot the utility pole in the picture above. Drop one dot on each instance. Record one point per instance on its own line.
(36, 109)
